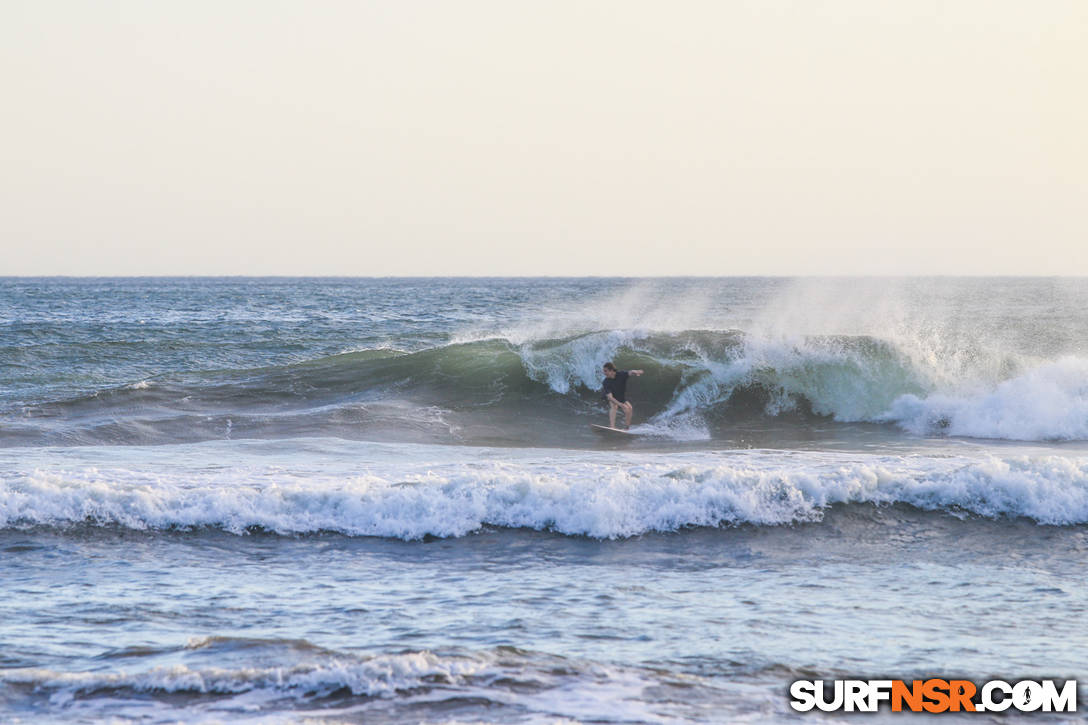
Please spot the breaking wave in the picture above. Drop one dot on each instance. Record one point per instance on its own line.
(584, 494)
(696, 380)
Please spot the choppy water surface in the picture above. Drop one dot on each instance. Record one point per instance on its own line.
(381, 501)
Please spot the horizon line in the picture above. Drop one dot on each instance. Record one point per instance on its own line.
(944, 275)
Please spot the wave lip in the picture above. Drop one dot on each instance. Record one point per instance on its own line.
(585, 495)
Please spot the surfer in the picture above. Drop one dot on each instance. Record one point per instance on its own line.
(615, 392)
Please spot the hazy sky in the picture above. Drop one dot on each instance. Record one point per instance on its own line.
(574, 138)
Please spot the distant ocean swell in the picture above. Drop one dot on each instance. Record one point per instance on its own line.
(695, 380)
(587, 494)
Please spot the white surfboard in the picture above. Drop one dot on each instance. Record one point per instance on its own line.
(605, 430)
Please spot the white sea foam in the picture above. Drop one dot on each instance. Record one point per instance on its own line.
(1049, 402)
(676, 428)
(462, 490)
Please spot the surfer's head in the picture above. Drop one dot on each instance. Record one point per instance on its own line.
(609, 370)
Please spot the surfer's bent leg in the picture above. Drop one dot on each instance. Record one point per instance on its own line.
(612, 413)
(628, 410)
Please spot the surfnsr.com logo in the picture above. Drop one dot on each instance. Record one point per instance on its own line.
(934, 695)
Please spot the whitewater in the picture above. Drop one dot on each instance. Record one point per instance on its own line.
(380, 500)
(415, 491)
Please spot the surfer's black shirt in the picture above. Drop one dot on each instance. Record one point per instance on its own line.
(617, 386)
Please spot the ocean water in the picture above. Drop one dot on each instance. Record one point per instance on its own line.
(381, 501)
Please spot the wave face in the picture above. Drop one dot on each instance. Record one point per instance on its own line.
(424, 492)
(517, 362)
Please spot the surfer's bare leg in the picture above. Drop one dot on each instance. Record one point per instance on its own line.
(628, 411)
(612, 413)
